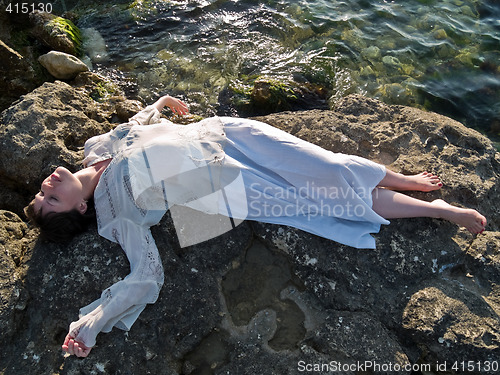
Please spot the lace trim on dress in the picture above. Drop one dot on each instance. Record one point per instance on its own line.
(110, 198)
(154, 266)
(128, 189)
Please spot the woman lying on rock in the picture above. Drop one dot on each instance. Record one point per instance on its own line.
(234, 168)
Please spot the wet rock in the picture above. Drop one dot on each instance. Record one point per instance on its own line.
(427, 294)
(62, 65)
(246, 295)
(391, 61)
(268, 95)
(394, 93)
(440, 34)
(356, 338)
(271, 94)
(371, 53)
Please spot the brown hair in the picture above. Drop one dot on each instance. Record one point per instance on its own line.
(60, 226)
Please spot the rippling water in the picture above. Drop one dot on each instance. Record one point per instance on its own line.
(441, 55)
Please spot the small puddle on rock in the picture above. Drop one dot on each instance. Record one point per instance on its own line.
(255, 285)
(210, 354)
(250, 290)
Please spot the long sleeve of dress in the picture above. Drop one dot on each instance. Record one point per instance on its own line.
(149, 115)
(121, 303)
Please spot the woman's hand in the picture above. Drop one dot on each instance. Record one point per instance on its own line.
(74, 347)
(176, 105)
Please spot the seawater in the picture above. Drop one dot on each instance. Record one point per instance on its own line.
(442, 55)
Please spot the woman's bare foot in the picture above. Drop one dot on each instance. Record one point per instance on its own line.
(424, 181)
(472, 220)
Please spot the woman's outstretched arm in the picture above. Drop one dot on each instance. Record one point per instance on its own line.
(177, 106)
(121, 303)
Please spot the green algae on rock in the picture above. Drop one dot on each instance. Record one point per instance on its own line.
(57, 32)
(264, 95)
(60, 26)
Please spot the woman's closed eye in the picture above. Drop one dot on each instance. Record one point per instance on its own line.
(50, 197)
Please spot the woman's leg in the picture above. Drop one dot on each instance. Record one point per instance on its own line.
(393, 205)
(421, 182)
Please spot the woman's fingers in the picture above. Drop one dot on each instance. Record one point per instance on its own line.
(81, 350)
(85, 351)
(75, 348)
(180, 110)
(66, 340)
(70, 346)
(78, 350)
(183, 110)
(178, 106)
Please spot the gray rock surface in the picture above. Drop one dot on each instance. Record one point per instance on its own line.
(13, 296)
(261, 299)
(17, 76)
(62, 65)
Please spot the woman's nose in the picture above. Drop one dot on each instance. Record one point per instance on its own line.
(54, 178)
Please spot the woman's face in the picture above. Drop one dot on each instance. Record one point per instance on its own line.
(60, 192)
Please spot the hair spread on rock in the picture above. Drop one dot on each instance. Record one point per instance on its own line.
(60, 226)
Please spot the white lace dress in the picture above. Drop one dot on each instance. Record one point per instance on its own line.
(226, 168)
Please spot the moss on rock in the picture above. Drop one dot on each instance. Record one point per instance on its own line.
(264, 95)
(57, 33)
(60, 25)
(272, 95)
